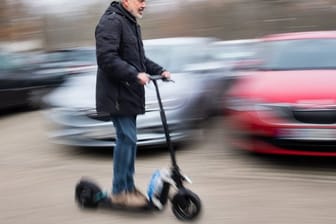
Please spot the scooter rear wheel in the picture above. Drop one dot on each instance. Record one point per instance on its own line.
(186, 205)
(86, 194)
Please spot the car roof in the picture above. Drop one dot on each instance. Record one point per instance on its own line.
(300, 35)
(178, 41)
(233, 42)
(69, 49)
(168, 41)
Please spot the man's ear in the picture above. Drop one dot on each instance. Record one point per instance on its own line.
(125, 3)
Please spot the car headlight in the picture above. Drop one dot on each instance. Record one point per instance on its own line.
(245, 104)
(168, 104)
(75, 117)
(100, 132)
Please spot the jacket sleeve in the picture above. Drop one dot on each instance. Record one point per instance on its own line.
(152, 68)
(108, 35)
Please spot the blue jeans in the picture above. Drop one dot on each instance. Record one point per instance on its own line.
(124, 153)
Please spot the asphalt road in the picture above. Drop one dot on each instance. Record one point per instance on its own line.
(38, 180)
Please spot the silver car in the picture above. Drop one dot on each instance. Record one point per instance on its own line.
(187, 102)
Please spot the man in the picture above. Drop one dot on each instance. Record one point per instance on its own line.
(123, 70)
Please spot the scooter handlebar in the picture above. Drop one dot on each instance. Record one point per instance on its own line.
(159, 77)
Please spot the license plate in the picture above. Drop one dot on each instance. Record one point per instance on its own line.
(307, 134)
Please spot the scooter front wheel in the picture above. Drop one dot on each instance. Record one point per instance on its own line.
(86, 194)
(186, 205)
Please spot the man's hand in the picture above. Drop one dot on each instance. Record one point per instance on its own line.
(143, 78)
(166, 75)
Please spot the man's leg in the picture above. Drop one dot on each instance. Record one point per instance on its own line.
(131, 165)
(131, 169)
(124, 159)
(122, 154)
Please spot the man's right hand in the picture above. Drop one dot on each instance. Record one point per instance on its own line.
(143, 78)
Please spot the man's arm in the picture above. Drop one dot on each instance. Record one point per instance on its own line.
(152, 68)
(155, 69)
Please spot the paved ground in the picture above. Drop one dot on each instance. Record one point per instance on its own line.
(38, 180)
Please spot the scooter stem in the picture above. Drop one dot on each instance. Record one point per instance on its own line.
(165, 126)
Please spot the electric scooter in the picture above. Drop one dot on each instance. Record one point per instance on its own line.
(186, 205)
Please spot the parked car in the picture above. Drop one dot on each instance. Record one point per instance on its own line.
(287, 104)
(22, 84)
(188, 101)
(71, 60)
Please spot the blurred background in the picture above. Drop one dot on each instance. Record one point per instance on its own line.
(43, 43)
(51, 24)
(46, 44)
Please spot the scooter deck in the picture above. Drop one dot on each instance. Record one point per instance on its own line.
(107, 203)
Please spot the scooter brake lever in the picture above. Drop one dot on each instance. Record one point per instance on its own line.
(168, 80)
(159, 77)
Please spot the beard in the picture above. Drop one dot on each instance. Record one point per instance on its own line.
(137, 14)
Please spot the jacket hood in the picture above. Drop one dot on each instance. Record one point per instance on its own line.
(119, 9)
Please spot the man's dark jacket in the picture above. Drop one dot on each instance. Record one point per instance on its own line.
(120, 57)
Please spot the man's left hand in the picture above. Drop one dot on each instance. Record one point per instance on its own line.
(166, 75)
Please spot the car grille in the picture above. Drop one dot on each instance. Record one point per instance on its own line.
(298, 114)
(315, 116)
(313, 146)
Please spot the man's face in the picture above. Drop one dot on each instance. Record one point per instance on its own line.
(135, 7)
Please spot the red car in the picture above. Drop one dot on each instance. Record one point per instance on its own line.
(286, 104)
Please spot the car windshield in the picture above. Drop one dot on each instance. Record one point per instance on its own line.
(233, 52)
(10, 62)
(72, 55)
(83, 55)
(176, 58)
(298, 54)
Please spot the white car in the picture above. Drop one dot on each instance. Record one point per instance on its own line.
(188, 101)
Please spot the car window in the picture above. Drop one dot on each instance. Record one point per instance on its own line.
(10, 62)
(88, 55)
(176, 58)
(298, 54)
(55, 56)
(233, 52)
